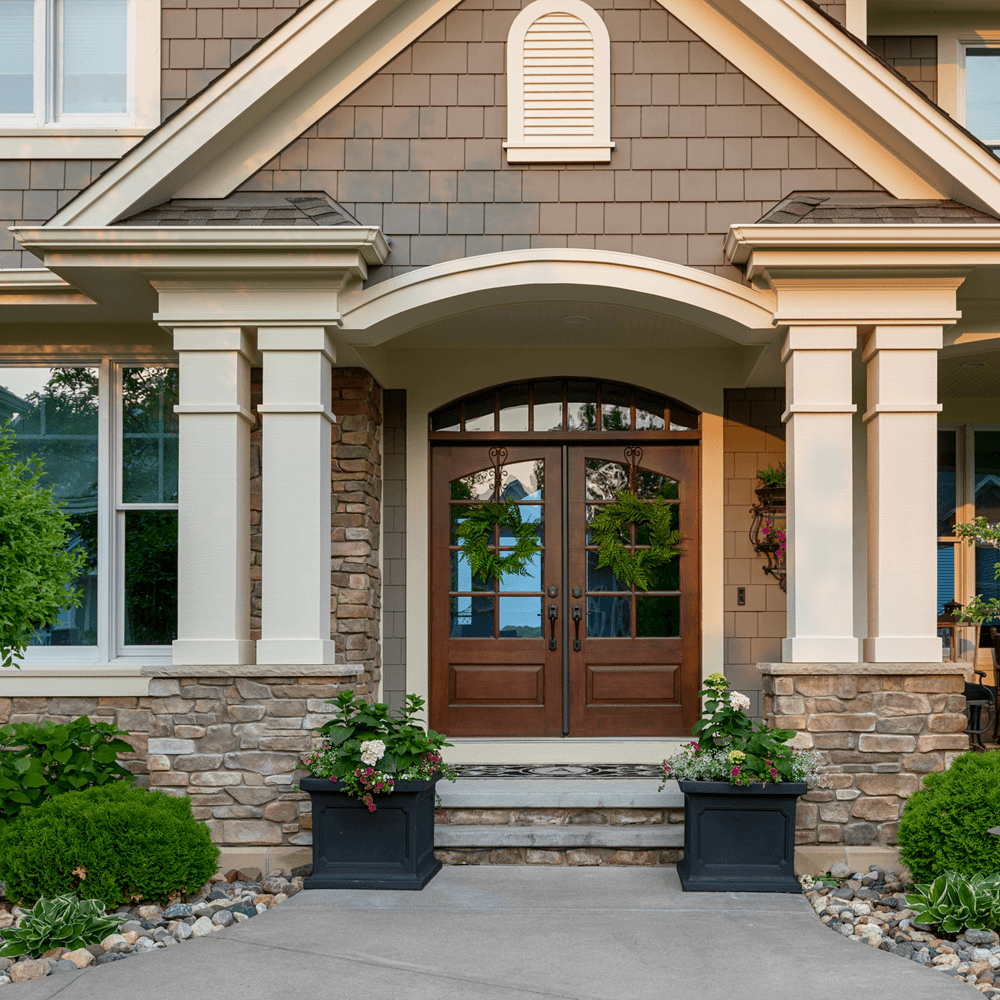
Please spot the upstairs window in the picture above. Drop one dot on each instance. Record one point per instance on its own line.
(67, 62)
(982, 93)
(558, 85)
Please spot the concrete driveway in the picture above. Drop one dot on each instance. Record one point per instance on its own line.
(518, 933)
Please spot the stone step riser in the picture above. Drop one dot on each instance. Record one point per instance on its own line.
(576, 857)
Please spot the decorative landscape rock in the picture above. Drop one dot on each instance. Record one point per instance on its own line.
(148, 928)
(882, 920)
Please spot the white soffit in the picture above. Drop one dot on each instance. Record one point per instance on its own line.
(847, 97)
(38, 287)
(241, 121)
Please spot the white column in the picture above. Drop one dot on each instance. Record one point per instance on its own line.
(296, 546)
(902, 493)
(213, 546)
(819, 463)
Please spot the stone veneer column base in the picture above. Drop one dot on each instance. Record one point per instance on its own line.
(880, 727)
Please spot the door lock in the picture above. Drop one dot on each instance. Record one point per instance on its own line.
(553, 615)
(577, 592)
(577, 615)
(553, 592)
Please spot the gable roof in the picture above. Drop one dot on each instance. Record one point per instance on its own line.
(246, 208)
(329, 48)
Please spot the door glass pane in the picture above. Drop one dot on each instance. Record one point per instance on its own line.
(514, 408)
(657, 616)
(986, 585)
(616, 408)
(666, 576)
(609, 617)
(521, 618)
(581, 406)
(648, 412)
(475, 486)
(653, 486)
(988, 475)
(548, 406)
(149, 435)
(461, 575)
(530, 579)
(17, 53)
(946, 483)
(522, 481)
(472, 617)
(982, 93)
(682, 419)
(150, 577)
(449, 419)
(530, 514)
(53, 413)
(94, 63)
(605, 479)
(602, 579)
(480, 412)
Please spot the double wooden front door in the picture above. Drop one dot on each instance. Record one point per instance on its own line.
(565, 649)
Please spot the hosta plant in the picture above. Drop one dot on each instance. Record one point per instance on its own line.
(62, 922)
(953, 902)
(369, 747)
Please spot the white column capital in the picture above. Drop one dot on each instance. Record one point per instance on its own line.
(819, 338)
(297, 338)
(213, 338)
(902, 338)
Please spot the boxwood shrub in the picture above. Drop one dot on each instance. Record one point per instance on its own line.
(116, 843)
(944, 825)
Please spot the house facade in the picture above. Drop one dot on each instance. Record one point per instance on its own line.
(275, 314)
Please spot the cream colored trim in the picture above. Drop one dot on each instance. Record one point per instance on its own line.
(282, 87)
(857, 18)
(847, 97)
(59, 144)
(74, 682)
(560, 83)
(383, 311)
(38, 286)
(713, 505)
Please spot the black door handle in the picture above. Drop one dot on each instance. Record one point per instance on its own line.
(577, 615)
(553, 615)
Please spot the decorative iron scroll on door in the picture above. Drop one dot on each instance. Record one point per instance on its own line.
(633, 455)
(498, 456)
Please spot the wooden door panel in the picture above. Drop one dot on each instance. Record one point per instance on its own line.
(631, 684)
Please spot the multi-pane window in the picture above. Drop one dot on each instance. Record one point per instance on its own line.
(107, 439)
(982, 93)
(66, 61)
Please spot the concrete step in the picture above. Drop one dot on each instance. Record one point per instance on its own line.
(649, 836)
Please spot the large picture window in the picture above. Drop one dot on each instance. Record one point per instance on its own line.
(106, 436)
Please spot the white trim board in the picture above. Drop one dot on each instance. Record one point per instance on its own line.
(557, 750)
(330, 47)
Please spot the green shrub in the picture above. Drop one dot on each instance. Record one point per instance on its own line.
(953, 902)
(114, 843)
(39, 761)
(63, 922)
(944, 825)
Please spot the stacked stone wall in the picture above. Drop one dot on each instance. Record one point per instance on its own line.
(878, 733)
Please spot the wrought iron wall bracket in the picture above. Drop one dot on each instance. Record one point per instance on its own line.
(770, 509)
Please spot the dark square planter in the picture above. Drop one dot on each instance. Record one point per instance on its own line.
(739, 838)
(391, 848)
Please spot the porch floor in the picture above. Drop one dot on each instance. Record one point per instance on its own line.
(507, 933)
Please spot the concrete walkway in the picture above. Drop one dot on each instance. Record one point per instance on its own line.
(518, 933)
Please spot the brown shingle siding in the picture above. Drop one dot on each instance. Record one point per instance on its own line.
(915, 56)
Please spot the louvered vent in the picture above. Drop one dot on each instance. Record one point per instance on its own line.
(558, 78)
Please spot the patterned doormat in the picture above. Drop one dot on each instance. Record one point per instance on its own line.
(558, 771)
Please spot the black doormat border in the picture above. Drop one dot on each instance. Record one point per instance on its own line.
(558, 771)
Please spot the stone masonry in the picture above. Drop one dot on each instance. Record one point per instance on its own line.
(880, 727)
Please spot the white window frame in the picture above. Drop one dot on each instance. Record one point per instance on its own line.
(46, 134)
(987, 40)
(110, 649)
(558, 149)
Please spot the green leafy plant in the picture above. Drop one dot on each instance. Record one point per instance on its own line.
(980, 532)
(476, 536)
(63, 922)
(612, 523)
(731, 747)
(369, 747)
(772, 477)
(41, 760)
(117, 843)
(36, 569)
(953, 902)
(945, 825)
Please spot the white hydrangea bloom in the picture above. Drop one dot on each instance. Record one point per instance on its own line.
(739, 701)
(373, 750)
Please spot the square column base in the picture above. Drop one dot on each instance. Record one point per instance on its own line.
(900, 649)
(212, 652)
(819, 649)
(287, 651)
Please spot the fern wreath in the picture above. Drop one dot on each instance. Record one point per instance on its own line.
(476, 535)
(613, 521)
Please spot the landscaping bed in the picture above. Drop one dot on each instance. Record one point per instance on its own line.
(870, 908)
(226, 899)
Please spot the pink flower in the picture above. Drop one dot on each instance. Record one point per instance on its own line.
(736, 771)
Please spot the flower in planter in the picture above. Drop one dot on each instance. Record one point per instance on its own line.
(731, 747)
(361, 736)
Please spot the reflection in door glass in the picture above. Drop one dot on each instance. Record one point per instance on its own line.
(602, 579)
(461, 575)
(616, 410)
(605, 479)
(475, 486)
(609, 617)
(520, 617)
(531, 579)
(471, 617)
(514, 408)
(666, 576)
(479, 413)
(521, 481)
(548, 406)
(657, 616)
(648, 412)
(581, 406)
(652, 486)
